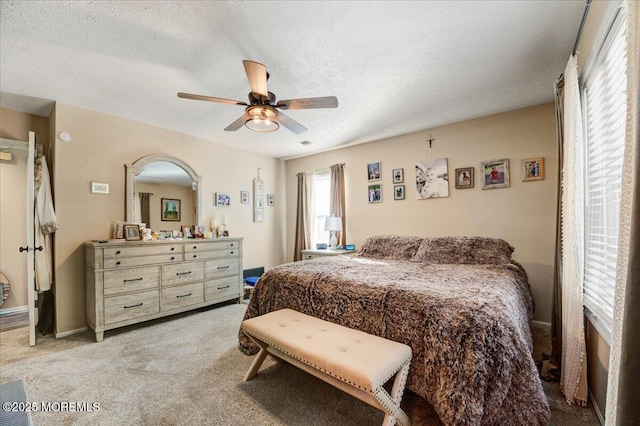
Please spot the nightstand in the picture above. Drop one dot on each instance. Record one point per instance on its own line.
(312, 254)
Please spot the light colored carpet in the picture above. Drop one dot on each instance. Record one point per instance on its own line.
(188, 370)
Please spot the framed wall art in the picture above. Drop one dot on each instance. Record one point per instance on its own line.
(495, 174)
(222, 199)
(375, 193)
(170, 209)
(373, 171)
(99, 188)
(464, 178)
(398, 175)
(258, 199)
(532, 169)
(131, 232)
(244, 197)
(432, 178)
(398, 192)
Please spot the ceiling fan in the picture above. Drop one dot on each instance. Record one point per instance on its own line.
(262, 112)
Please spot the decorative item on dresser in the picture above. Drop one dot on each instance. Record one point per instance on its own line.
(131, 282)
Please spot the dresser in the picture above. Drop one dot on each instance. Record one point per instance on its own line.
(312, 254)
(134, 281)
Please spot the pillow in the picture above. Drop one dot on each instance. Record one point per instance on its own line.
(390, 247)
(464, 250)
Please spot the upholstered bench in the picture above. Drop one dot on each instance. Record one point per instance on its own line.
(351, 360)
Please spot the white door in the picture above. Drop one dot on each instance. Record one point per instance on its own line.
(32, 295)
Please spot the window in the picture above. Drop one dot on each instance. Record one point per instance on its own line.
(320, 206)
(604, 102)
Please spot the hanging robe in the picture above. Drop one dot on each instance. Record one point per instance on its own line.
(45, 225)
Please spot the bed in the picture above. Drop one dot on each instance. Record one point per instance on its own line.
(461, 303)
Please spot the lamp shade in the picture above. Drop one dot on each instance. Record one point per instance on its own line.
(333, 223)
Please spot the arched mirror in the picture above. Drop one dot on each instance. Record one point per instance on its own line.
(163, 192)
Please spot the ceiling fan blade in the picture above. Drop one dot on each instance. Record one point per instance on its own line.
(291, 124)
(309, 103)
(210, 99)
(257, 75)
(237, 124)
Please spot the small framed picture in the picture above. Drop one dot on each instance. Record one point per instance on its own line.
(398, 192)
(186, 232)
(199, 230)
(373, 171)
(398, 175)
(271, 200)
(131, 232)
(99, 188)
(222, 199)
(170, 209)
(244, 197)
(533, 169)
(495, 174)
(464, 178)
(375, 193)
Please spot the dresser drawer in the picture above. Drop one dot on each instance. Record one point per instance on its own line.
(213, 254)
(129, 306)
(221, 268)
(221, 287)
(217, 245)
(182, 273)
(143, 250)
(141, 260)
(182, 295)
(133, 279)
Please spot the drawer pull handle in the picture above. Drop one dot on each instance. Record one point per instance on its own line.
(231, 252)
(173, 258)
(134, 306)
(195, 255)
(117, 263)
(223, 267)
(194, 247)
(183, 295)
(231, 244)
(173, 248)
(133, 280)
(183, 273)
(118, 252)
(226, 286)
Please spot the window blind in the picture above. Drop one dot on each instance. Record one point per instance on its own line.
(604, 100)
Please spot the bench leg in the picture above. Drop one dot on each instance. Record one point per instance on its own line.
(393, 412)
(257, 362)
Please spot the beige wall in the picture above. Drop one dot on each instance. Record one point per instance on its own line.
(100, 147)
(13, 202)
(186, 196)
(523, 214)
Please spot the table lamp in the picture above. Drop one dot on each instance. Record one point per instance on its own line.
(333, 224)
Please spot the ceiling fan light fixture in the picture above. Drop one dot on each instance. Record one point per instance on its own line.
(262, 118)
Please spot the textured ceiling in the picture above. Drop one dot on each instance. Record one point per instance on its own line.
(396, 67)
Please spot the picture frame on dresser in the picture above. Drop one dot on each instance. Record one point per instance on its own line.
(131, 232)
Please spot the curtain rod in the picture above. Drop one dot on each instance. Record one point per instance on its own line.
(584, 18)
(324, 168)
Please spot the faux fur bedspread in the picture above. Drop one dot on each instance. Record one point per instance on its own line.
(467, 325)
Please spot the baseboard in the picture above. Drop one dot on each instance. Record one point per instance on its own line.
(70, 332)
(596, 408)
(541, 323)
(16, 310)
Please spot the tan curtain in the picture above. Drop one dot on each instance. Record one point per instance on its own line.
(556, 308)
(623, 388)
(145, 209)
(301, 236)
(337, 202)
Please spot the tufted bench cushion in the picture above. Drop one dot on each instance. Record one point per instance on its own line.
(354, 361)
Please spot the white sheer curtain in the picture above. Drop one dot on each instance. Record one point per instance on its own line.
(573, 381)
(632, 10)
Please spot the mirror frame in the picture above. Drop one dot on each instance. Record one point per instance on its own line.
(135, 169)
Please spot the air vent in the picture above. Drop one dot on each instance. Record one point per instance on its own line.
(305, 143)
